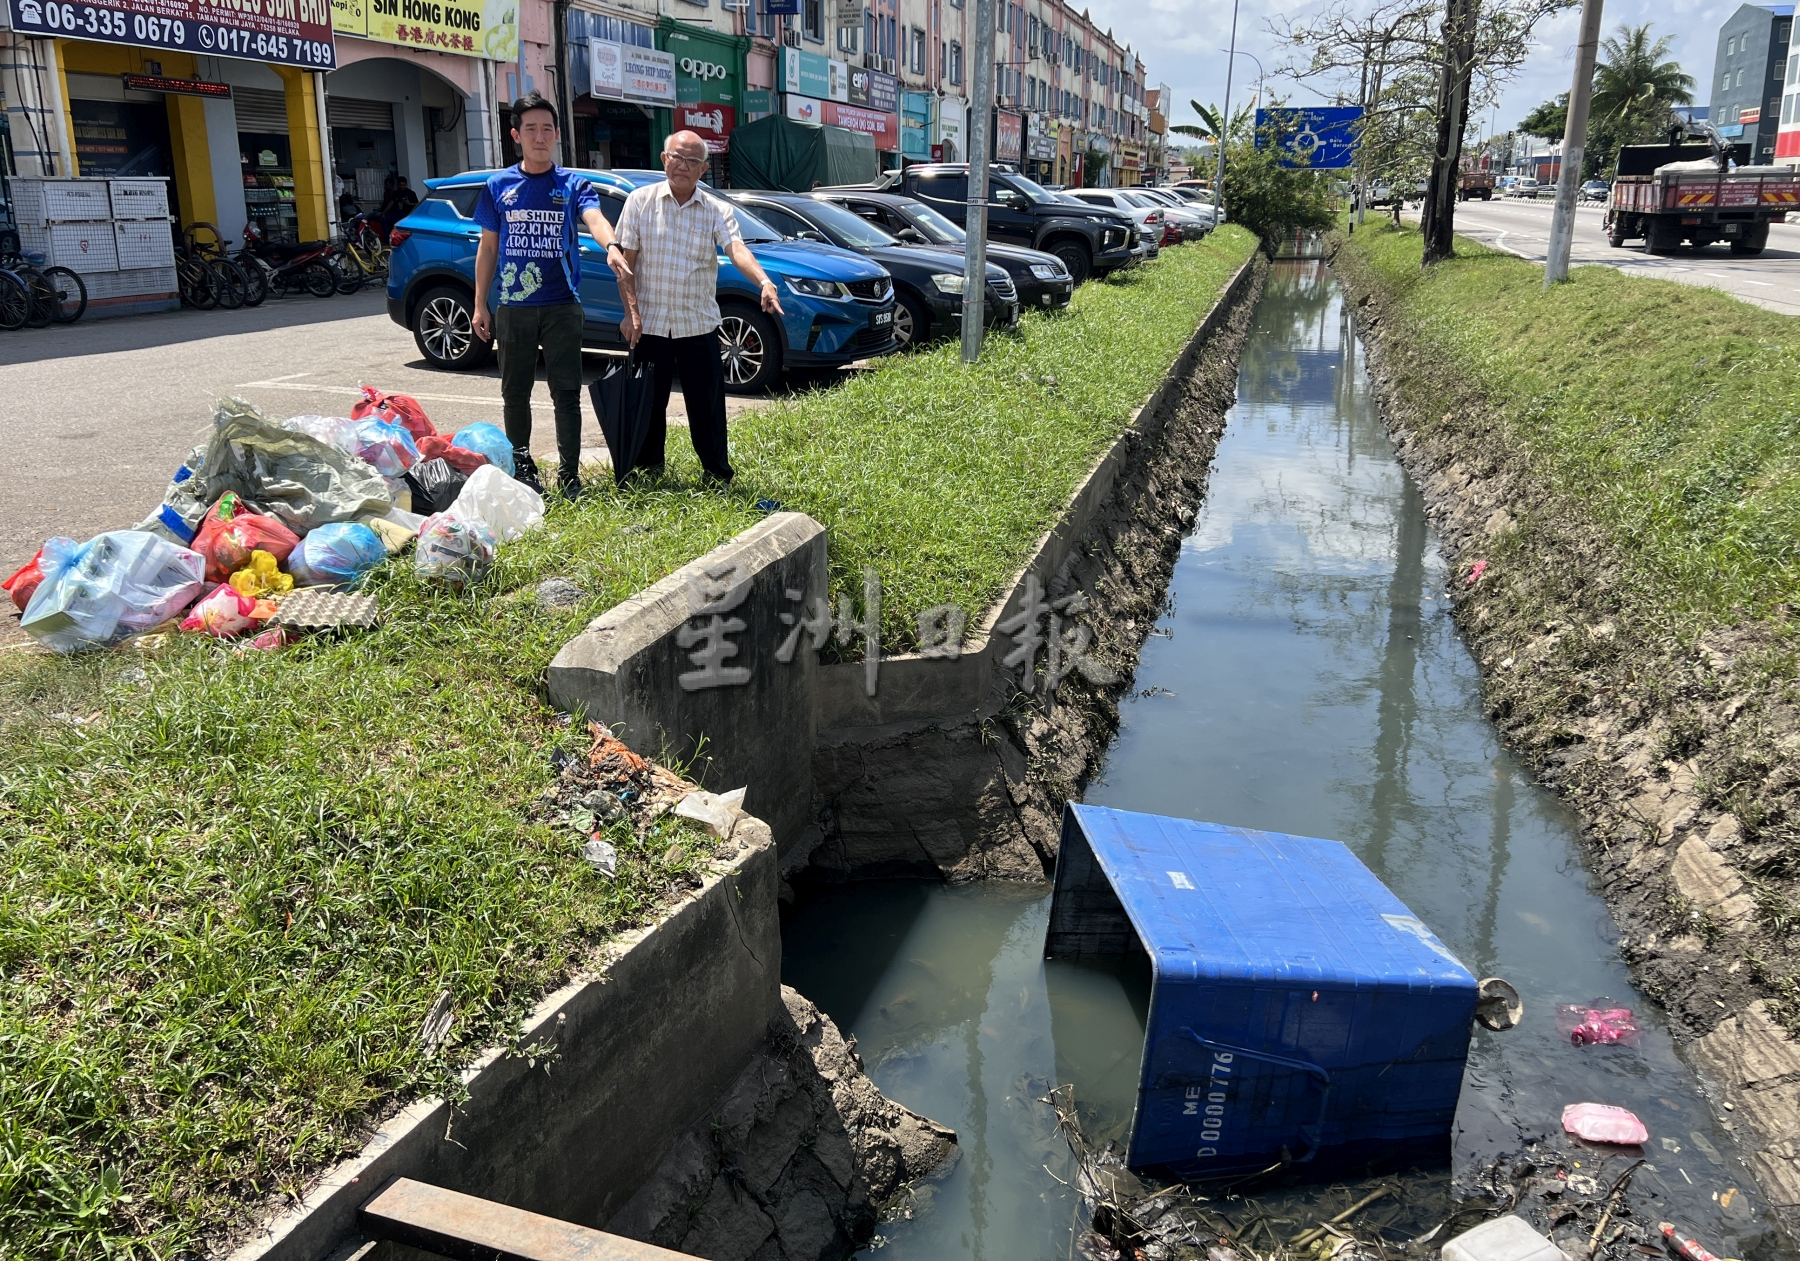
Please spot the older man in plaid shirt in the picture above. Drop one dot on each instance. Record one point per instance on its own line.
(671, 234)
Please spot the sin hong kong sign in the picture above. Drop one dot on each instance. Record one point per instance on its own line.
(288, 32)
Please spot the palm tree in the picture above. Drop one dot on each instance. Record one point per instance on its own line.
(1212, 121)
(1635, 89)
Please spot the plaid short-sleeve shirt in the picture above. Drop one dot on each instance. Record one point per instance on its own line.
(677, 257)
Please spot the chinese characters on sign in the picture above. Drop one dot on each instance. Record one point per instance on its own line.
(468, 28)
(1037, 626)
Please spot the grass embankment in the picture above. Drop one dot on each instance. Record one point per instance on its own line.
(1629, 456)
(231, 887)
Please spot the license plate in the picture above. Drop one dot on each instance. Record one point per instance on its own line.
(1731, 229)
(882, 319)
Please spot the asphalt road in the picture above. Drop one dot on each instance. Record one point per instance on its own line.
(95, 417)
(1771, 279)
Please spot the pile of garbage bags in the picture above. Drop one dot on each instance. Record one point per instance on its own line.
(267, 508)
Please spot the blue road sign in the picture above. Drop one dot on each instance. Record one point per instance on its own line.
(1320, 137)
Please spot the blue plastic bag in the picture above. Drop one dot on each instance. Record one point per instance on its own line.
(114, 585)
(389, 449)
(336, 555)
(489, 440)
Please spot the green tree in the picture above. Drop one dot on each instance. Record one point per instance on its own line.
(1548, 121)
(1268, 198)
(1635, 92)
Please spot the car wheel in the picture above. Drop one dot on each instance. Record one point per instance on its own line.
(912, 321)
(751, 348)
(443, 326)
(1075, 260)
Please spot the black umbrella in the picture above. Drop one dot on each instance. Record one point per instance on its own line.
(623, 401)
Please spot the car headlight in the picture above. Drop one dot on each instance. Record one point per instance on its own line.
(1047, 271)
(948, 282)
(817, 288)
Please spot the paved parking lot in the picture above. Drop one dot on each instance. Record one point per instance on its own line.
(95, 417)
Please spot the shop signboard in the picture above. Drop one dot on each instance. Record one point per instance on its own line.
(758, 103)
(1040, 139)
(625, 72)
(1009, 136)
(872, 90)
(288, 32)
(804, 109)
(709, 120)
(809, 74)
(884, 127)
(467, 28)
(949, 143)
(707, 67)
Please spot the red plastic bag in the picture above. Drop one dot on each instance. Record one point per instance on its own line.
(398, 409)
(1599, 1023)
(463, 460)
(24, 581)
(226, 614)
(230, 532)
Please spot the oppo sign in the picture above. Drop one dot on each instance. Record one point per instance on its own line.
(694, 68)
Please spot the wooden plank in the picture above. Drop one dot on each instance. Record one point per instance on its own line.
(467, 1228)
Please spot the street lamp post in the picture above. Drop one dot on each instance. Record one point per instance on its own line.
(1225, 116)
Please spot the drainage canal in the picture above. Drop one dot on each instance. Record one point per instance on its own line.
(1305, 678)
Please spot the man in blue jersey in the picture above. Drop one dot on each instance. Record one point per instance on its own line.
(528, 215)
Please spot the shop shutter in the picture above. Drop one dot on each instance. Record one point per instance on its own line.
(343, 111)
(259, 111)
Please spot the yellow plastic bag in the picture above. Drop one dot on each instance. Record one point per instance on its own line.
(262, 576)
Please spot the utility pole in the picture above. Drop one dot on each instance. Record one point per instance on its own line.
(1581, 95)
(981, 123)
(1225, 117)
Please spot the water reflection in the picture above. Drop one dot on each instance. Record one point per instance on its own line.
(1310, 682)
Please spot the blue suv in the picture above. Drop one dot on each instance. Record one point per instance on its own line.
(839, 306)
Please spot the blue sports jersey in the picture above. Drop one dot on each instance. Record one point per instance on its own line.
(539, 264)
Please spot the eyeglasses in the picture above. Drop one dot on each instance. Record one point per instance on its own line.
(683, 159)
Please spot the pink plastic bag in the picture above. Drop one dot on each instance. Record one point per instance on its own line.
(1603, 1123)
(1598, 1023)
(224, 614)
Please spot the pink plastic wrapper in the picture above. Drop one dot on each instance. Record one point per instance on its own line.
(1599, 1023)
(1603, 1123)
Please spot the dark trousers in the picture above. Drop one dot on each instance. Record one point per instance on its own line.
(519, 332)
(702, 372)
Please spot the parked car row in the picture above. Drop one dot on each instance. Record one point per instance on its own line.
(863, 271)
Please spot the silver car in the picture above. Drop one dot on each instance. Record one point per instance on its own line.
(1193, 225)
(1147, 218)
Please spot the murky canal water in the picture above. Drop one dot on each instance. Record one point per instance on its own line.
(1305, 679)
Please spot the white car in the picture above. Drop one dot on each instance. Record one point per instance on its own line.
(1522, 188)
(1192, 224)
(1149, 219)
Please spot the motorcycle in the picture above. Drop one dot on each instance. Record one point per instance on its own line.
(290, 268)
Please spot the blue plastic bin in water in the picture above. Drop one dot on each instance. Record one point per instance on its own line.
(1299, 1013)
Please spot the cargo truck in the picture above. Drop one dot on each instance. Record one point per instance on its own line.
(1668, 195)
(1475, 184)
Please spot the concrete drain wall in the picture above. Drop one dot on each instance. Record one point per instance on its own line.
(938, 774)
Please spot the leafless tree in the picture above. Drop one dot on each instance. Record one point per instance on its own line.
(1419, 69)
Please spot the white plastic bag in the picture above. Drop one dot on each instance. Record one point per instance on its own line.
(454, 550)
(504, 504)
(114, 585)
(333, 431)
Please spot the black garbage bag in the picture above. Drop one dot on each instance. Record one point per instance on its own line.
(435, 485)
(623, 400)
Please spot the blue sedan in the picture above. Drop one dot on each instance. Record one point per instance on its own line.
(839, 306)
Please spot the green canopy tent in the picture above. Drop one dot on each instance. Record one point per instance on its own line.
(777, 153)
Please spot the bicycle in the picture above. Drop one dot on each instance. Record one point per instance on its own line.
(15, 302)
(237, 281)
(58, 295)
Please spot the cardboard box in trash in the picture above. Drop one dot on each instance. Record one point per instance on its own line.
(1299, 1013)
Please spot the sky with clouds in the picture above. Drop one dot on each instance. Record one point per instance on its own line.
(1182, 43)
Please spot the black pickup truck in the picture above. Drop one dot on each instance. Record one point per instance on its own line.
(1090, 240)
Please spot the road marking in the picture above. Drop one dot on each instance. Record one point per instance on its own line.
(284, 383)
(1762, 284)
(1716, 275)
